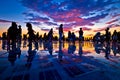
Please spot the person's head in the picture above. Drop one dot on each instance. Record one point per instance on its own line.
(107, 28)
(80, 28)
(19, 26)
(61, 25)
(14, 24)
(28, 25)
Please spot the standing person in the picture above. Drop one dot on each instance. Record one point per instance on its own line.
(4, 37)
(114, 36)
(60, 32)
(19, 36)
(81, 35)
(50, 35)
(107, 35)
(31, 34)
(12, 35)
(73, 37)
(69, 36)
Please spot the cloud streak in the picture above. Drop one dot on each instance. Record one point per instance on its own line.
(5, 21)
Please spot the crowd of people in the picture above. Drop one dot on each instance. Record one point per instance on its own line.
(107, 37)
(13, 38)
(14, 35)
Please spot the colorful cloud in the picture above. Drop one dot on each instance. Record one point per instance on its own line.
(76, 12)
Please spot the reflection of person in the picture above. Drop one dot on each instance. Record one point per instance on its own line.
(107, 50)
(50, 47)
(98, 47)
(31, 54)
(115, 48)
(13, 54)
(12, 57)
(71, 48)
(80, 49)
(60, 54)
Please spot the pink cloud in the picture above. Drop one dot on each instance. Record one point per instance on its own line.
(110, 22)
(116, 16)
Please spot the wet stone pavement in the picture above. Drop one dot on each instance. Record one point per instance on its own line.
(62, 64)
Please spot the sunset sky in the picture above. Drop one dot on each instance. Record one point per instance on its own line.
(91, 15)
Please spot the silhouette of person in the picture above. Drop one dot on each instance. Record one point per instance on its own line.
(81, 35)
(80, 49)
(118, 36)
(97, 37)
(107, 35)
(71, 48)
(12, 31)
(36, 40)
(4, 38)
(73, 37)
(24, 37)
(45, 37)
(63, 38)
(60, 54)
(50, 35)
(69, 36)
(19, 36)
(114, 36)
(30, 33)
(60, 32)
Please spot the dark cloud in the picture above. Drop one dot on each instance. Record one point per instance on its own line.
(5, 21)
(113, 25)
(35, 23)
(50, 23)
(100, 29)
(45, 30)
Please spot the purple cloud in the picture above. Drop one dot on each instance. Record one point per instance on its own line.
(70, 11)
(46, 30)
(5, 21)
